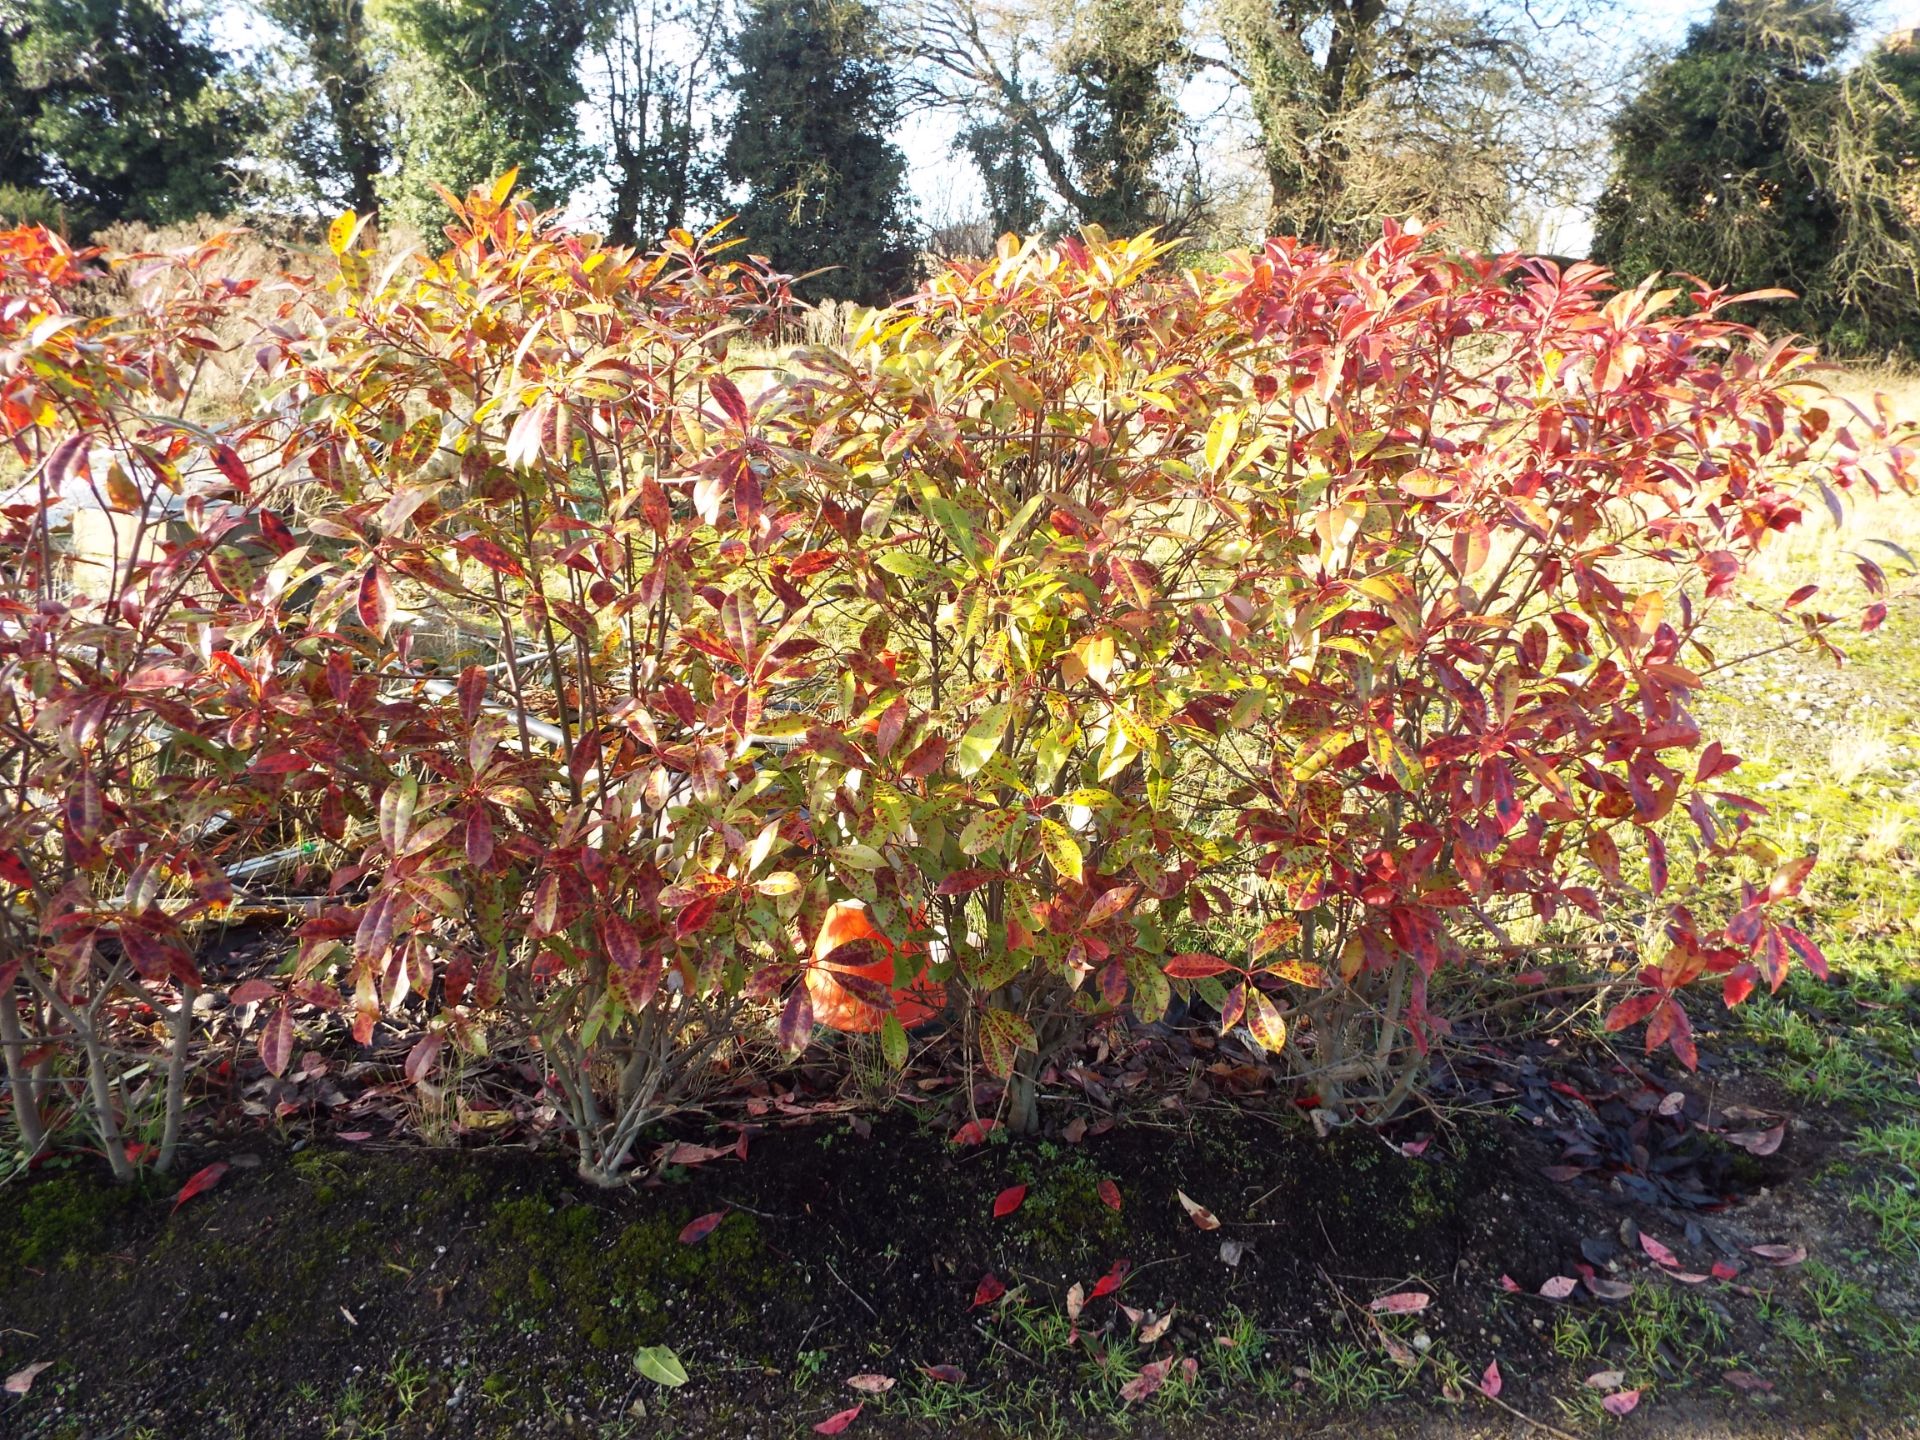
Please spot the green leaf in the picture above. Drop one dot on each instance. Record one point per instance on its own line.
(979, 743)
(986, 830)
(907, 564)
(893, 1042)
(660, 1365)
(1061, 849)
(1003, 1035)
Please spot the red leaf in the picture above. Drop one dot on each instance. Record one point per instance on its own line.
(1109, 1195)
(1008, 1201)
(735, 404)
(698, 1229)
(1110, 1282)
(796, 1020)
(974, 1131)
(1747, 1380)
(202, 1181)
(1780, 1254)
(834, 1424)
(1559, 1287)
(276, 1042)
(1195, 967)
(1660, 1253)
(230, 466)
(1401, 1302)
(944, 1374)
(1723, 1271)
(987, 1291)
(376, 601)
(870, 1383)
(421, 1057)
(1621, 1402)
(1150, 1379)
(1490, 1382)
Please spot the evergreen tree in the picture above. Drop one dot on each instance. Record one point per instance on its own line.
(112, 111)
(478, 87)
(1754, 159)
(823, 184)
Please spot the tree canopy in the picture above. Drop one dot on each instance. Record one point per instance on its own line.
(820, 183)
(1756, 157)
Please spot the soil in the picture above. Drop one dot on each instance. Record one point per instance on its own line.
(342, 1290)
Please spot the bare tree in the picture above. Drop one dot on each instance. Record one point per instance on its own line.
(1083, 93)
(657, 59)
(1466, 111)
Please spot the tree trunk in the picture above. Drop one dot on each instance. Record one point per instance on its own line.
(22, 1084)
(1023, 1094)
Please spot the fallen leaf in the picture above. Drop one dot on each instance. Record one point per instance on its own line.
(1780, 1254)
(944, 1374)
(1401, 1302)
(1150, 1379)
(1008, 1201)
(1621, 1402)
(660, 1365)
(1510, 1285)
(871, 1384)
(1563, 1173)
(1190, 1369)
(835, 1423)
(1076, 1301)
(1156, 1329)
(1723, 1271)
(1660, 1253)
(1759, 1142)
(698, 1230)
(1110, 1282)
(1609, 1289)
(1606, 1379)
(1232, 1252)
(1109, 1195)
(202, 1181)
(687, 1153)
(22, 1380)
(1748, 1381)
(1688, 1277)
(1414, 1149)
(1559, 1287)
(1202, 1216)
(1673, 1102)
(974, 1131)
(1490, 1382)
(354, 1136)
(988, 1290)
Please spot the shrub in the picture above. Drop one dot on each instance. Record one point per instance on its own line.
(131, 678)
(1296, 639)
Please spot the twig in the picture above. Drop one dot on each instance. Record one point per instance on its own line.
(995, 1339)
(849, 1289)
(1540, 1425)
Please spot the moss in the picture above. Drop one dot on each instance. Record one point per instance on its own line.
(623, 1287)
(1063, 1215)
(62, 1220)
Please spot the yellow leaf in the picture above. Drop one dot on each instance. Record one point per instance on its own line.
(340, 232)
